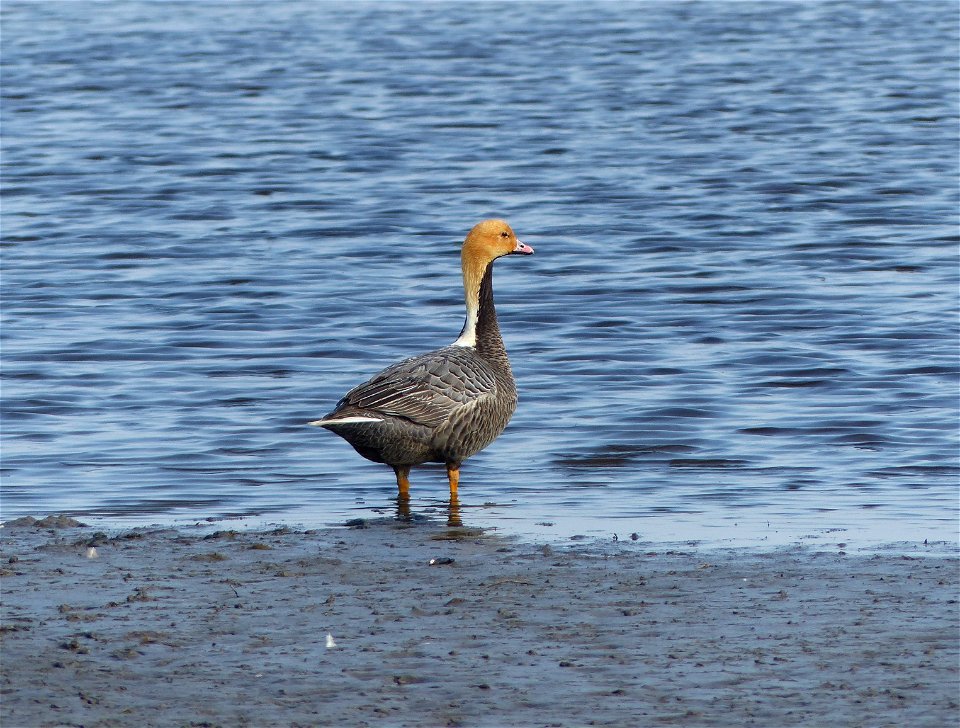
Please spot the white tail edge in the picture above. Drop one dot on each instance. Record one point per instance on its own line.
(343, 421)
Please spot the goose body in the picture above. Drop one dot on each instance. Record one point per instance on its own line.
(447, 404)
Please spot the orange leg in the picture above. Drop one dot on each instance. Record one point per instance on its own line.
(453, 474)
(403, 491)
(403, 482)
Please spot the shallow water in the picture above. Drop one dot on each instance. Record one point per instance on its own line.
(740, 325)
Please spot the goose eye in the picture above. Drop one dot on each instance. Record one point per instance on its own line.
(504, 234)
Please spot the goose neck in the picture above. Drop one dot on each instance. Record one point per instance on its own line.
(481, 329)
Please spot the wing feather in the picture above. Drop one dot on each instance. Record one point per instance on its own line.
(425, 389)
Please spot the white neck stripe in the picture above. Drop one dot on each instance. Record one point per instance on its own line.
(468, 337)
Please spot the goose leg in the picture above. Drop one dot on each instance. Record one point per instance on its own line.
(453, 474)
(403, 481)
(403, 492)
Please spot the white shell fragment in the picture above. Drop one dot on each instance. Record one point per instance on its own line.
(331, 645)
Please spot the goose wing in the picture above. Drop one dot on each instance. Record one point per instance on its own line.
(425, 389)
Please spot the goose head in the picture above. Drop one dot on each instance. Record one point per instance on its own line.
(487, 241)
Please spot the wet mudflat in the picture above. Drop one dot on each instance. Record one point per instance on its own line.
(433, 626)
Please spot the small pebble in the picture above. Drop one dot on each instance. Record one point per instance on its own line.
(92, 552)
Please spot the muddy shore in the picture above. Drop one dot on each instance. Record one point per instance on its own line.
(433, 626)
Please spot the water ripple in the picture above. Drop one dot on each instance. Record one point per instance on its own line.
(742, 310)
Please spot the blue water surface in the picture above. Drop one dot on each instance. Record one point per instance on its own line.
(740, 326)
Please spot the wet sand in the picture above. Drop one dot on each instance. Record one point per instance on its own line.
(436, 626)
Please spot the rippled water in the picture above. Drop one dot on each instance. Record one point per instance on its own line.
(740, 325)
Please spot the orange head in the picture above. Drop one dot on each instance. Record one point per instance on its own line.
(490, 239)
(487, 241)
